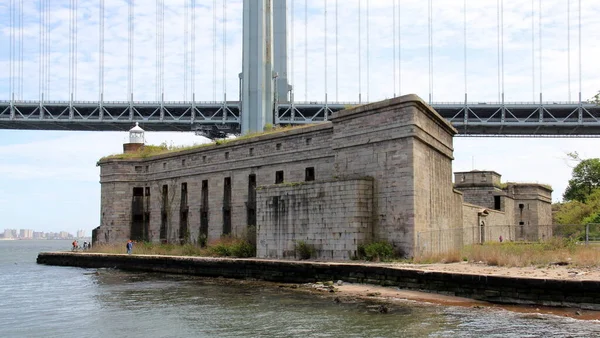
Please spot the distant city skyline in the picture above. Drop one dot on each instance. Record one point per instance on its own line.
(32, 234)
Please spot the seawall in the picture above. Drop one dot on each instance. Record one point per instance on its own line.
(496, 289)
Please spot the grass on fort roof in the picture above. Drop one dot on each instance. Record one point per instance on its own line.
(150, 150)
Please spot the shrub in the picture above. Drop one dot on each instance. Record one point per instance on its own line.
(376, 251)
(303, 250)
(232, 247)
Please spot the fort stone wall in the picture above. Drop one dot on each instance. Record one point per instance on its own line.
(377, 172)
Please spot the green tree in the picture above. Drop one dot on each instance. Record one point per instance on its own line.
(585, 179)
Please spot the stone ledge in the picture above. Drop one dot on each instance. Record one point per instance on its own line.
(495, 289)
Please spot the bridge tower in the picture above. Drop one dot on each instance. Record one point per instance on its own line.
(264, 62)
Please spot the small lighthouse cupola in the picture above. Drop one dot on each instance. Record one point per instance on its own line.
(136, 134)
(136, 139)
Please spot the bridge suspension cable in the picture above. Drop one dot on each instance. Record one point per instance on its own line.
(368, 53)
(75, 48)
(336, 53)
(101, 51)
(306, 50)
(325, 48)
(160, 49)
(185, 48)
(359, 53)
(579, 52)
(193, 52)
(394, 42)
(540, 46)
(12, 47)
(533, 49)
(292, 41)
(399, 48)
(465, 46)
(430, 33)
(130, 51)
(569, 49)
(224, 51)
(21, 44)
(214, 51)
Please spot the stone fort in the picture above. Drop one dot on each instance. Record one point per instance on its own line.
(376, 172)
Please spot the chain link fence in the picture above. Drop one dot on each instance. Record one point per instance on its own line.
(447, 240)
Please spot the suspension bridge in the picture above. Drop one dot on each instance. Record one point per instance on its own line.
(357, 51)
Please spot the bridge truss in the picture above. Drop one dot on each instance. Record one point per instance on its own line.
(217, 119)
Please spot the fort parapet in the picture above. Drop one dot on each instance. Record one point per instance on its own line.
(381, 171)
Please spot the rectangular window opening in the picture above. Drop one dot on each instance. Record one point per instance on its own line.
(308, 141)
(278, 146)
(203, 236)
(227, 206)
(251, 205)
(226, 155)
(279, 177)
(497, 203)
(309, 174)
(251, 151)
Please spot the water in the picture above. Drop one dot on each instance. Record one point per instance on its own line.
(47, 301)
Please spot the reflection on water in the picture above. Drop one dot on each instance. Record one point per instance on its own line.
(47, 301)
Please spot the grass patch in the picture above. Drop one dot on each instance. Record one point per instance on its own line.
(224, 247)
(521, 254)
(154, 150)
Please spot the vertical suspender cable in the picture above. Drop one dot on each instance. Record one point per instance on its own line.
(130, 60)
(21, 44)
(101, 52)
(162, 49)
(368, 54)
(359, 54)
(430, 26)
(532, 50)
(214, 10)
(465, 45)
(336, 53)
(156, 56)
(399, 48)
(394, 40)
(325, 49)
(579, 28)
(48, 24)
(292, 35)
(193, 54)
(224, 51)
(498, 43)
(41, 77)
(70, 48)
(540, 44)
(185, 49)
(11, 66)
(306, 50)
(569, 48)
(75, 50)
(502, 43)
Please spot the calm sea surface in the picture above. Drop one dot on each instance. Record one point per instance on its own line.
(47, 301)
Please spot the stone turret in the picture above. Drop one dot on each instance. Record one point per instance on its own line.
(136, 139)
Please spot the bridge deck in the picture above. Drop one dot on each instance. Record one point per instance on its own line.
(216, 119)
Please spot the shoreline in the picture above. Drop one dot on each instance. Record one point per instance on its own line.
(575, 291)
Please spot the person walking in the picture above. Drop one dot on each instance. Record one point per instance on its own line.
(129, 247)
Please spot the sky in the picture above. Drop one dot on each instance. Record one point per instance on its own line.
(49, 180)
